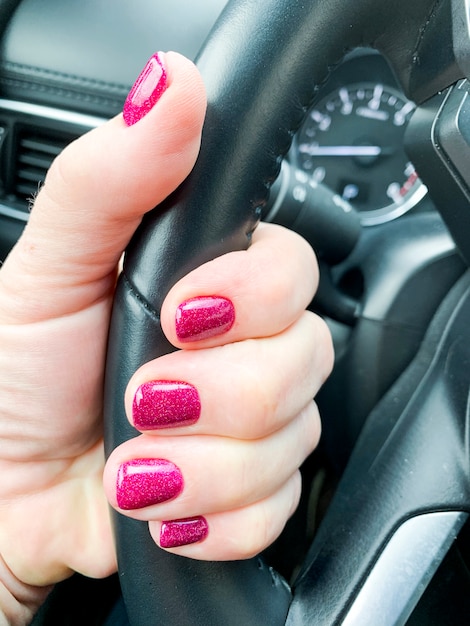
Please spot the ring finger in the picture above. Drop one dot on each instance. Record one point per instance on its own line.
(153, 478)
(237, 534)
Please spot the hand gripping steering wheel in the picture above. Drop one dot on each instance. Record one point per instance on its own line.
(261, 66)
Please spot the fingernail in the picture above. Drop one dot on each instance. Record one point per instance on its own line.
(146, 90)
(182, 532)
(142, 482)
(162, 404)
(204, 317)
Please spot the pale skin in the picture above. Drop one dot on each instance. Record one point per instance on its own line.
(256, 382)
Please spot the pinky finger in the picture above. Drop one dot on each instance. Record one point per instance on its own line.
(233, 535)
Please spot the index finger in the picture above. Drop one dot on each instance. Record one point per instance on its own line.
(252, 293)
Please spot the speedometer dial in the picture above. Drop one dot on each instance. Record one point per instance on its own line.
(352, 141)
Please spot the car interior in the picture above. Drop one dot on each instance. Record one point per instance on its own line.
(347, 121)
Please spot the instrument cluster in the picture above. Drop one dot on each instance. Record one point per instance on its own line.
(352, 140)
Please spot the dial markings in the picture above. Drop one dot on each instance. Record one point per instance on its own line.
(352, 141)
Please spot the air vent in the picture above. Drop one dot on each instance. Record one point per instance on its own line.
(31, 136)
(35, 153)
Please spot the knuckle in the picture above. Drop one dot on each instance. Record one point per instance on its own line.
(259, 389)
(266, 519)
(310, 430)
(321, 345)
(326, 341)
(261, 530)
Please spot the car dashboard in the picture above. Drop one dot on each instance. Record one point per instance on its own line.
(352, 139)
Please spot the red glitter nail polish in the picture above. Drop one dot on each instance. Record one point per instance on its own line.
(204, 317)
(164, 404)
(146, 90)
(142, 482)
(182, 532)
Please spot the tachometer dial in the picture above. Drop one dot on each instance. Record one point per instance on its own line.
(352, 141)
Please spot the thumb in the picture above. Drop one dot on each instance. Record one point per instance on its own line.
(94, 197)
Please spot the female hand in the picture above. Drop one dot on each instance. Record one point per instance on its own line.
(238, 415)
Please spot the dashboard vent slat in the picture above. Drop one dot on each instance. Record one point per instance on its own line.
(34, 155)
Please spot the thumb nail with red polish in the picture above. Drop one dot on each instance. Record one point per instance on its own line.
(146, 90)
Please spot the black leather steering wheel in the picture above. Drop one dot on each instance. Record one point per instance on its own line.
(262, 65)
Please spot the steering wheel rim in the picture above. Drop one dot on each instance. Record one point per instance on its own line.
(254, 49)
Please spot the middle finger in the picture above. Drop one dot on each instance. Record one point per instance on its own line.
(243, 390)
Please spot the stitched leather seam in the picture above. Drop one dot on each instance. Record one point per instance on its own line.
(32, 72)
(63, 92)
(141, 301)
(423, 29)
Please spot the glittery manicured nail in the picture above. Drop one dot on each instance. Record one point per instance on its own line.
(142, 482)
(182, 532)
(163, 404)
(146, 90)
(204, 317)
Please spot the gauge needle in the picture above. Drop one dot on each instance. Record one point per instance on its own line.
(349, 151)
